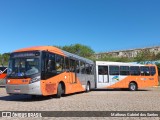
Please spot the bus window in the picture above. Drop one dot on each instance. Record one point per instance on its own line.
(89, 69)
(145, 71)
(82, 66)
(77, 67)
(51, 63)
(124, 70)
(102, 70)
(59, 63)
(67, 64)
(114, 70)
(134, 70)
(152, 70)
(72, 65)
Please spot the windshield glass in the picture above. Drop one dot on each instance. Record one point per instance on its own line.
(19, 67)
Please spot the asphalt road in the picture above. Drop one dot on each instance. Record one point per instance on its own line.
(96, 100)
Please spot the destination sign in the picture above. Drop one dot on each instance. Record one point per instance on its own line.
(25, 54)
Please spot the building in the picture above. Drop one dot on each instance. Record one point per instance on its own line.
(128, 53)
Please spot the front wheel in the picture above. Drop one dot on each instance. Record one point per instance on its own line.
(132, 86)
(59, 91)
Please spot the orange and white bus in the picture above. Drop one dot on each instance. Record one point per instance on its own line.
(3, 73)
(47, 70)
(125, 75)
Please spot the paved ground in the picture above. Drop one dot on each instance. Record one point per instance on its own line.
(97, 100)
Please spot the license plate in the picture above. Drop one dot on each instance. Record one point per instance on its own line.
(17, 91)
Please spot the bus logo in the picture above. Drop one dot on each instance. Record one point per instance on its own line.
(6, 114)
(115, 78)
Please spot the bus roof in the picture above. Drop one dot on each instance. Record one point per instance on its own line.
(54, 50)
(41, 48)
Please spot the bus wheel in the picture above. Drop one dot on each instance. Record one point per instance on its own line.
(59, 91)
(88, 87)
(132, 86)
(33, 96)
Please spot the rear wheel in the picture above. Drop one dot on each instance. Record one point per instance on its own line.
(59, 91)
(33, 96)
(132, 86)
(88, 87)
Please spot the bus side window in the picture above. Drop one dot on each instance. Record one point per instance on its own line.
(114, 70)
(59, 63)
(88, 69)
(145, 71)
(134, 70)
(77, 67)
(51, 63)
(82, 68)
(124, 70)
(67, 64)
(102, 70)
(152, 70)
(72, 65)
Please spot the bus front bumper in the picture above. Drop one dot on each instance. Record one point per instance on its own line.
(32, 89)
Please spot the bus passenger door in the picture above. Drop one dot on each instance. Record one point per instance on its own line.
(102, 76)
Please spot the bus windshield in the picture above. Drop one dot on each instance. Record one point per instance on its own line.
(23, 67)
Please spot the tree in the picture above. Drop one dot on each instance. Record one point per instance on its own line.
(79, 49)
(4, 58)
(158, 56)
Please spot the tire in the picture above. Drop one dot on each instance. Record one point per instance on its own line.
(132, 86)
(88, 87)
(33, 96)
(59, 91)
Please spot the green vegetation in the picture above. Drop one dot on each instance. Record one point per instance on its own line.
(4, 59)
(79, 49)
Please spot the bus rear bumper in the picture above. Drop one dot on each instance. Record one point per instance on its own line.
(32, 89)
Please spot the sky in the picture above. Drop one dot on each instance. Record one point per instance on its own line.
(103, 25)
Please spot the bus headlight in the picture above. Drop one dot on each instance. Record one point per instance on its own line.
(35, 79)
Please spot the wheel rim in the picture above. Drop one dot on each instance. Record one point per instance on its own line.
(133, 87)
(88, 87)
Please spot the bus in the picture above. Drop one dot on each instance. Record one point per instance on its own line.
(48, 70)
(3, 72)
(125, 75)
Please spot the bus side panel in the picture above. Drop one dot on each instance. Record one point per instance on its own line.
(49, 86)
(142, 81)
(91, 79)
(85, 78)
